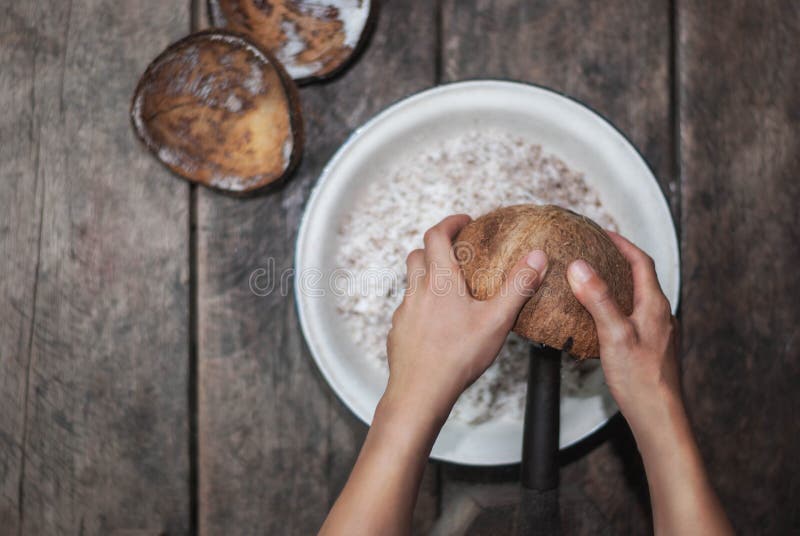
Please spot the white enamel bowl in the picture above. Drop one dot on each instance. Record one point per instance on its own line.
(562, 126)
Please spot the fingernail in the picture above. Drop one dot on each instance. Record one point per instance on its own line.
(537, 260)
(580, 271)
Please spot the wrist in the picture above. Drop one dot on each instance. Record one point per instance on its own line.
(650, 408)
(396, 429)
(417, 418)
(429, 398)
(660, 424)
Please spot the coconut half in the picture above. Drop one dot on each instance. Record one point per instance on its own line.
(312, 38)
(490, 246)
(219, 111)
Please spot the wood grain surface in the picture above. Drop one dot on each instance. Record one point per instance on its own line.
(110, 304)
(615, 57)
(93, 275)
(275, 444)
(740, 164)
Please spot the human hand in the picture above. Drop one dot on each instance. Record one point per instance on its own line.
(637, 352)
(442, 339)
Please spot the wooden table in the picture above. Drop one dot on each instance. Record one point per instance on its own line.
(145, 390)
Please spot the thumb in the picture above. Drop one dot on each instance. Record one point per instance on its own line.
(594, 294)
(521, 283)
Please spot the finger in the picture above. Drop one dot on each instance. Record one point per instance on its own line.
(415, 270)
(439, 240)
(645, 280)
(594, 294)
(415, 261)
(522, 282)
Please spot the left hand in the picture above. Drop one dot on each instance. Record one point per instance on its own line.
(442, 339)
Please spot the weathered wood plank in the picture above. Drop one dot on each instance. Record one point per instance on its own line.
(615, 57)
(93, 275)
(20, 221)
(275, 445)
(740, 163)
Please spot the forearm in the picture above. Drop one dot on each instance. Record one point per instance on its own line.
(682, 497)
(380, 494)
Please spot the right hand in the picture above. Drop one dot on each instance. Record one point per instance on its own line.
(638, 357)
(637, 352)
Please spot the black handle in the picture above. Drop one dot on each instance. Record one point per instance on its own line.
(538, 513)
(538, 507)
(540, 436)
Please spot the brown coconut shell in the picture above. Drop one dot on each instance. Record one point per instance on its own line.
(219, 111)
(490, 246)
(313, 39)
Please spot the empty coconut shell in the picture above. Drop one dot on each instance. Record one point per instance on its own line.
(490, 246)
(312, 38)
(219, 111)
